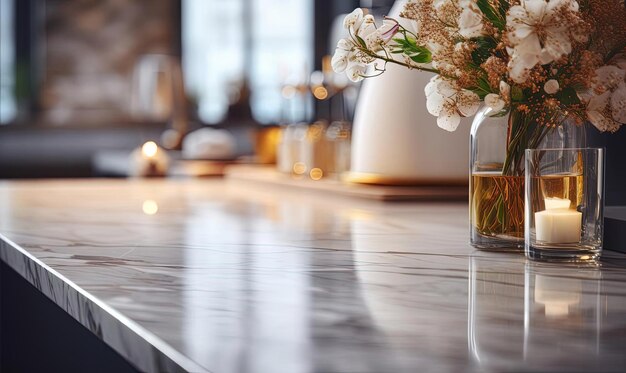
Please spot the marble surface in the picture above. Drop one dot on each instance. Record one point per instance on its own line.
(226, 277)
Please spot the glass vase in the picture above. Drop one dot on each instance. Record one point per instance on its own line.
(498, 141)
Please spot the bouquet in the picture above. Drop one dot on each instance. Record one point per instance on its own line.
(538, 61)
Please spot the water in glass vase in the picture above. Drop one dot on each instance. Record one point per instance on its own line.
(564, 187)
(497, 211)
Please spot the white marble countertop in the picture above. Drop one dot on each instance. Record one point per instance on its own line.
(229, 277)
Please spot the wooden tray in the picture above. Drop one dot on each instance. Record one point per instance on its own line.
(268, 175)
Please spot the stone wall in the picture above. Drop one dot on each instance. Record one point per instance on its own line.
(91, 47)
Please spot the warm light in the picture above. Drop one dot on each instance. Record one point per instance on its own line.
(289, 91)
(150, 207)
(316, 173)
(299, 168)
(553, 203)
(149, 149)
(320, 93)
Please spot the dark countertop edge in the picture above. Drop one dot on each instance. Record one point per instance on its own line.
(140, 347)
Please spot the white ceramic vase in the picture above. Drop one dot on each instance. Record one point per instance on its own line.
(396, 141)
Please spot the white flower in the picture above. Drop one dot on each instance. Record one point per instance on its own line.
(353, 21)
(505, 90)
(347, 55)
(339, 62)
(606, 102)
(551, 87)
(470, 20)
(347, 58)
(356, 71)
(618, 104)
(448, 102)
(358, 24)
(497, 102)
(538, 34)
(494, 102)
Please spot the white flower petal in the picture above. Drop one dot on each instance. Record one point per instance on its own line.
(470, 23)
(339, 62)
(519, 66)
(356, 71)
(551, 87)
(367, 27)
(446, 88)
(467, 102)
(431, 87)
(618, 104)
(599, 102)
(505, 89)
(434, 104)
(494, 101)
(609, 76)
(353, 20)
(345, 44)
(535, 9)
(601, 122)
(449, 121)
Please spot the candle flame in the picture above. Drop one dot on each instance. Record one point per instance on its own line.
(149, 149)
(150, 207)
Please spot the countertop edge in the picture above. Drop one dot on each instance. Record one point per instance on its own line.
(140, 347)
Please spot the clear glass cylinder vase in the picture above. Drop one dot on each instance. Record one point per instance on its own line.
(498, 141)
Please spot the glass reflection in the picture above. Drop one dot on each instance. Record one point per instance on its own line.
(562, 308)
(528, 315)
(496, 310)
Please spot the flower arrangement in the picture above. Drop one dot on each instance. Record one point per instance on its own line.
(538, 61)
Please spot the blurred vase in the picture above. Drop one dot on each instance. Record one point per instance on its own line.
(396, 141)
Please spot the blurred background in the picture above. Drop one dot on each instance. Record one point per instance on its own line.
(82, 79)
(204, 83)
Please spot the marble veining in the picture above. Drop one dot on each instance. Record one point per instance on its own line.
(223, 276)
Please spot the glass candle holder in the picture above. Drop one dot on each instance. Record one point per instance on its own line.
(564, 200)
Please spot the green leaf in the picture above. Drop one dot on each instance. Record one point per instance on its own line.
(517, 94)
(361, 41)
(500, 212)
(568, 96)
(422, 57)
(503, 7)
(494, 16)
(408, 46)
(484, 49)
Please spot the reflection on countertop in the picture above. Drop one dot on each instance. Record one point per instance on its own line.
(530, 316)
(227, 277)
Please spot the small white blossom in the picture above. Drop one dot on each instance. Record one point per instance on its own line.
(551, 86)
(497, 102)
(353, 21)
(494, 102)
(448, 102)
(388, 29)
(470, 20)
(606, 102)
(356, 71)
(339, 62)
(537, 34)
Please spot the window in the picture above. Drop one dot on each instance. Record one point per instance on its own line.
(7, 62)
(268, 41)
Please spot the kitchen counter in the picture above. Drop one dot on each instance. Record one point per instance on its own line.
(222, 276)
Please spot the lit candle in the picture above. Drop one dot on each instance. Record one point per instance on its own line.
(558, 225)
(149, 160)
(553, 203)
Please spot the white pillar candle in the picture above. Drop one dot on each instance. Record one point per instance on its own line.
(553, 203)
(558, 226)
